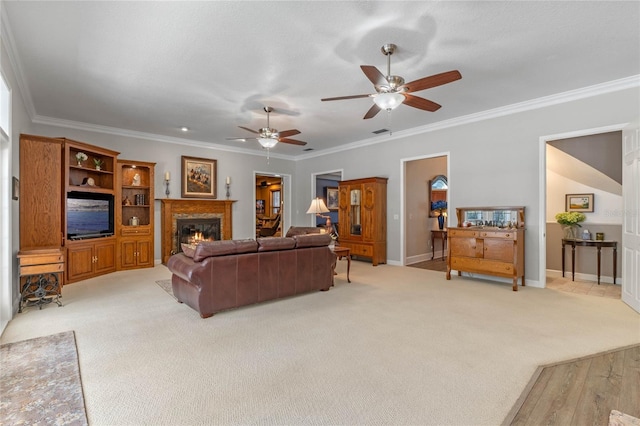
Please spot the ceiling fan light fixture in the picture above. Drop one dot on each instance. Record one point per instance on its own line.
(267, 142)
(388, 100)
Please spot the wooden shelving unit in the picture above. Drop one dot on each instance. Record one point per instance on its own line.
(134, 214)
(91, 257)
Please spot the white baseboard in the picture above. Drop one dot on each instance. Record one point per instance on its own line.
(584, 277)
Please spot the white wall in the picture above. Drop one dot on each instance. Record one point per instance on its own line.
(492, 162)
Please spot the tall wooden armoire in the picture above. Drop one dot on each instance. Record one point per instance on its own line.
(362, 217)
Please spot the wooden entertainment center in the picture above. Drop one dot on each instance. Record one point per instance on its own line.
(73, 198)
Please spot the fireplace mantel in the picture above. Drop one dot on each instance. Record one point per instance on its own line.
(171, 208)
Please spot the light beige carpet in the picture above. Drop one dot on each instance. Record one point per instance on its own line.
(397, 346)
(166, 286)
(40, 382)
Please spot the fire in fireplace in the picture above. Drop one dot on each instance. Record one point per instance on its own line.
(192, 231)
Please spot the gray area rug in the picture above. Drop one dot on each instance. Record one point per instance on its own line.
(40, 382)
(166, 286)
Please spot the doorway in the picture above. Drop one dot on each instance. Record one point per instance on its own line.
(322, 185)
(270, 206)
(588, 161)
(418, 219)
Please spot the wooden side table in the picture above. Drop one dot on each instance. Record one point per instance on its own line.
(443, 237)
(344, 252)
(41, 270)
(598, 244)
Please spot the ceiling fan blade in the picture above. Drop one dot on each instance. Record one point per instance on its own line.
(420, 103)
(375, 76)
(372, 112)
(292, 141)
(287, 133)
(238, 139)
(345, 97)
(432, 81)
(248, 129)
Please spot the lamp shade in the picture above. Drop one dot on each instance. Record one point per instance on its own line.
(317, 206)
(388, 100)
(268, 142)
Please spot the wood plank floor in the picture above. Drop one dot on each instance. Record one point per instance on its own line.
(581, 391)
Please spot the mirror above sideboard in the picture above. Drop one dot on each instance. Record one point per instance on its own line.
(438, 187)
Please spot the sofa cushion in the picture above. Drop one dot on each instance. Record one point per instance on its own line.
(312, 240)
(276, 243)
(223, 247)
(302, 230)
(188, 249)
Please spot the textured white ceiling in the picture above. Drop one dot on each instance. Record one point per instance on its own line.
(153, 67)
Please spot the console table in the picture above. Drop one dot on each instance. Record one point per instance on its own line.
(442, 234)
(598, 244)
(41, 270)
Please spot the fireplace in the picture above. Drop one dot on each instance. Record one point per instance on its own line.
(203, 215)
(192, 231)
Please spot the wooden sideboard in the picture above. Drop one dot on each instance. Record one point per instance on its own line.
(495, 249)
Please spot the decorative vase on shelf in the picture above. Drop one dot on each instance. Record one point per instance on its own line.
(97, 167)
(569, 232)
(441, 222)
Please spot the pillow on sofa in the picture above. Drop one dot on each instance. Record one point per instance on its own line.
(302, 230)
(188, 249)
(220, 248)
(276, 243)
(312, 240)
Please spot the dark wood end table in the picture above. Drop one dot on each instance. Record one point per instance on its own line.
(344, 252)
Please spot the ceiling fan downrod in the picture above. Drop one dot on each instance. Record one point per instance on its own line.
(388, 50)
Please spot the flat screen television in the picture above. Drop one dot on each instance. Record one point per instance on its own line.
(89, 215)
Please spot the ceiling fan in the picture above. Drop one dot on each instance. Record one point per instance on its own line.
(268, 137)
(391, 91)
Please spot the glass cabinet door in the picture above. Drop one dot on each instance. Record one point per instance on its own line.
(354, 212)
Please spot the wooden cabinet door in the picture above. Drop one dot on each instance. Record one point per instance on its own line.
(463, 247)
(80, 262)
(145, 253)
(128, 250)
(498, 249)
(41, 208)
(105, 253)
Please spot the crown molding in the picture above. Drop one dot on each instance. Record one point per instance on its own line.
(559, 98)
(598, 89)
(39, 119)
(573, 95)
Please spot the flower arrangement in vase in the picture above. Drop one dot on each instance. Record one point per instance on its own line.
(98, 162)
(440, 211)
(569, 222)
(80, 157)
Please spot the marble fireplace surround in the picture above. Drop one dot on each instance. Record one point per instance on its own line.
(173, 209)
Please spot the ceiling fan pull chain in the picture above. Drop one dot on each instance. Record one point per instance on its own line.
(389, 121)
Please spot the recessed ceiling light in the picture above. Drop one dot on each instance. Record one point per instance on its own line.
(184, 129)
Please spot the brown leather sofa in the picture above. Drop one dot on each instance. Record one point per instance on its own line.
(222, 275)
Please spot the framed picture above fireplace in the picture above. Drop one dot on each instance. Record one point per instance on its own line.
(199, 177)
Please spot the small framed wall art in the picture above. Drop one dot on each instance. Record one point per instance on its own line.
(199, 177)
(579, 203)
(331, 194)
